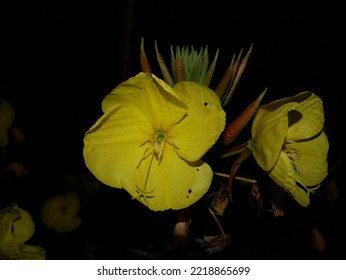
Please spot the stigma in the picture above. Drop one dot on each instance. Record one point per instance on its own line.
(159, 144)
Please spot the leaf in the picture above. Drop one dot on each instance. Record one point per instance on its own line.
(210, 72)
(144, 60)
(226, 80)
(233, 130)
(220, 200)
(238, 72)
(165, 72)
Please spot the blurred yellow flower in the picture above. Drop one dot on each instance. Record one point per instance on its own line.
(151, 138)
(16, 228)
(289, 143)
(60, 212)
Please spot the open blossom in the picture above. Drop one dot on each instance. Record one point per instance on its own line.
(289, 143)
(151, 138)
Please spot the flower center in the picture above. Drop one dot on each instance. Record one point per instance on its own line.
(154, 145)
(160, 137)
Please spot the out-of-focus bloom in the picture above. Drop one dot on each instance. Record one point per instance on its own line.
(289, 143)
(16, 168)
(60, 212)
(151, 138)
(16, 228)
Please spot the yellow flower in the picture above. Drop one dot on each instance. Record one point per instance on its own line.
(151, 138)
(289, 143)
(60, 212)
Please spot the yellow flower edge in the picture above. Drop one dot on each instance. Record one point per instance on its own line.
(289, 143)
(151, 138)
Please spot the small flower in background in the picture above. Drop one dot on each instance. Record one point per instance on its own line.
(16, 228)
(60, 212)
(289, 143)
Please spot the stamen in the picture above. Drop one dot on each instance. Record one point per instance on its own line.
(154, 144)
(159, 143)
(143, 193)
(292, 153)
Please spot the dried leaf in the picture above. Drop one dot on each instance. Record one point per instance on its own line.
(144, 60)
(216, 243)
(220, 200)
(164, 70)
(233, 130)
(278, 212)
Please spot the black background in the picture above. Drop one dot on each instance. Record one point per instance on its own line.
(58, 62)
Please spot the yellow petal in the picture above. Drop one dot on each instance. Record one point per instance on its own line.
(268, 136)
(309, 117)
(5, 228)
(170, 184)
(119, 139)
(312, 166)
(205, 120)
(114, 144)
(285, 176)
(151, 97)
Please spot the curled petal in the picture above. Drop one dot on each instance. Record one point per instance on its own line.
(285, 176)
(151, 97)
(24, 227)
(268, 137)
(307, 119)
(289, 143)
(312, 166)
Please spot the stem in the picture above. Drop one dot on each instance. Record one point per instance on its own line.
(252, 181)
(217, 221)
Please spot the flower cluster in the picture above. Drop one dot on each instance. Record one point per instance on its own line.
(154, 132)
